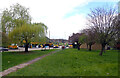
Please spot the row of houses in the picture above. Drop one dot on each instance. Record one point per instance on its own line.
(75, 37)
(96, 46)
(59, 40)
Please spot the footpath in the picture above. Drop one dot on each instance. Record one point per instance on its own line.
(15, 68)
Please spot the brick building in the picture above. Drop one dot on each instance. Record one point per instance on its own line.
(74, 37)
(58, 40)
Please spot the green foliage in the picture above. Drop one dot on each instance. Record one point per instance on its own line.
(16, 23)
(5, 19)
(41, 33)
(0, 39)
(5, 40)
(90, 37)
(28, 33)
(16, 16)
(72, 62)
(82, 39)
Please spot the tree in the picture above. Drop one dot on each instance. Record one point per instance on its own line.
(118, 7)
(90, 37)
(116, 22)
(16, 16)
(74, 39)
(81, 40)
(28, 33)
(101, 20)
(5, 40)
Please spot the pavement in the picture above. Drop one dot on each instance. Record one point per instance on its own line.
(15, 68)
(29, 49)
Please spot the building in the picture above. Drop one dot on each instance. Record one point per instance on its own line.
(58, 40)
(74, 37)
(93, 47)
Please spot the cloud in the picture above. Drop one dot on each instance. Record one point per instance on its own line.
(104, 0)
(62, 28)
(52, 13)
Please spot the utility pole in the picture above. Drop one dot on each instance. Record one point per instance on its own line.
(49, 39)
(49, 36)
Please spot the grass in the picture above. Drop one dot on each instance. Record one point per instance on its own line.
(10, 59)
(0, 61)
(71, 62)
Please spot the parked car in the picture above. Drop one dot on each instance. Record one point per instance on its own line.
(50, 44)
(70, 45)
(2, 49)
(63, 47)
(47, 45)
(56, 46)
(41, 46)
(13, 46)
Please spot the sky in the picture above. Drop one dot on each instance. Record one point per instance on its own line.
(62, 17)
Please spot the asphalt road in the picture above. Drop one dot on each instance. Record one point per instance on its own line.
(30, 49)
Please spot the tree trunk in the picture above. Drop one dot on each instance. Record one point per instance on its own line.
(87, 46)
(26, 47)
(102, 50)
(78, 46)
(90, 47)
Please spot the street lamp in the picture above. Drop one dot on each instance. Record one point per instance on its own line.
(75, 43)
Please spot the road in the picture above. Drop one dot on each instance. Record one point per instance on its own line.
(30, 49)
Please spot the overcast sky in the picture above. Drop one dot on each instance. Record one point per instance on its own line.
(62, 17)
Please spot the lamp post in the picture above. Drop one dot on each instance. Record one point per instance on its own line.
(49, 36)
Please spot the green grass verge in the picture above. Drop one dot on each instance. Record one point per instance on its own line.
(71, 62)
(10, 59)
(0, 61)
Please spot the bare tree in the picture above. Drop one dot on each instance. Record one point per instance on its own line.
(116, 22)
(101, 20)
